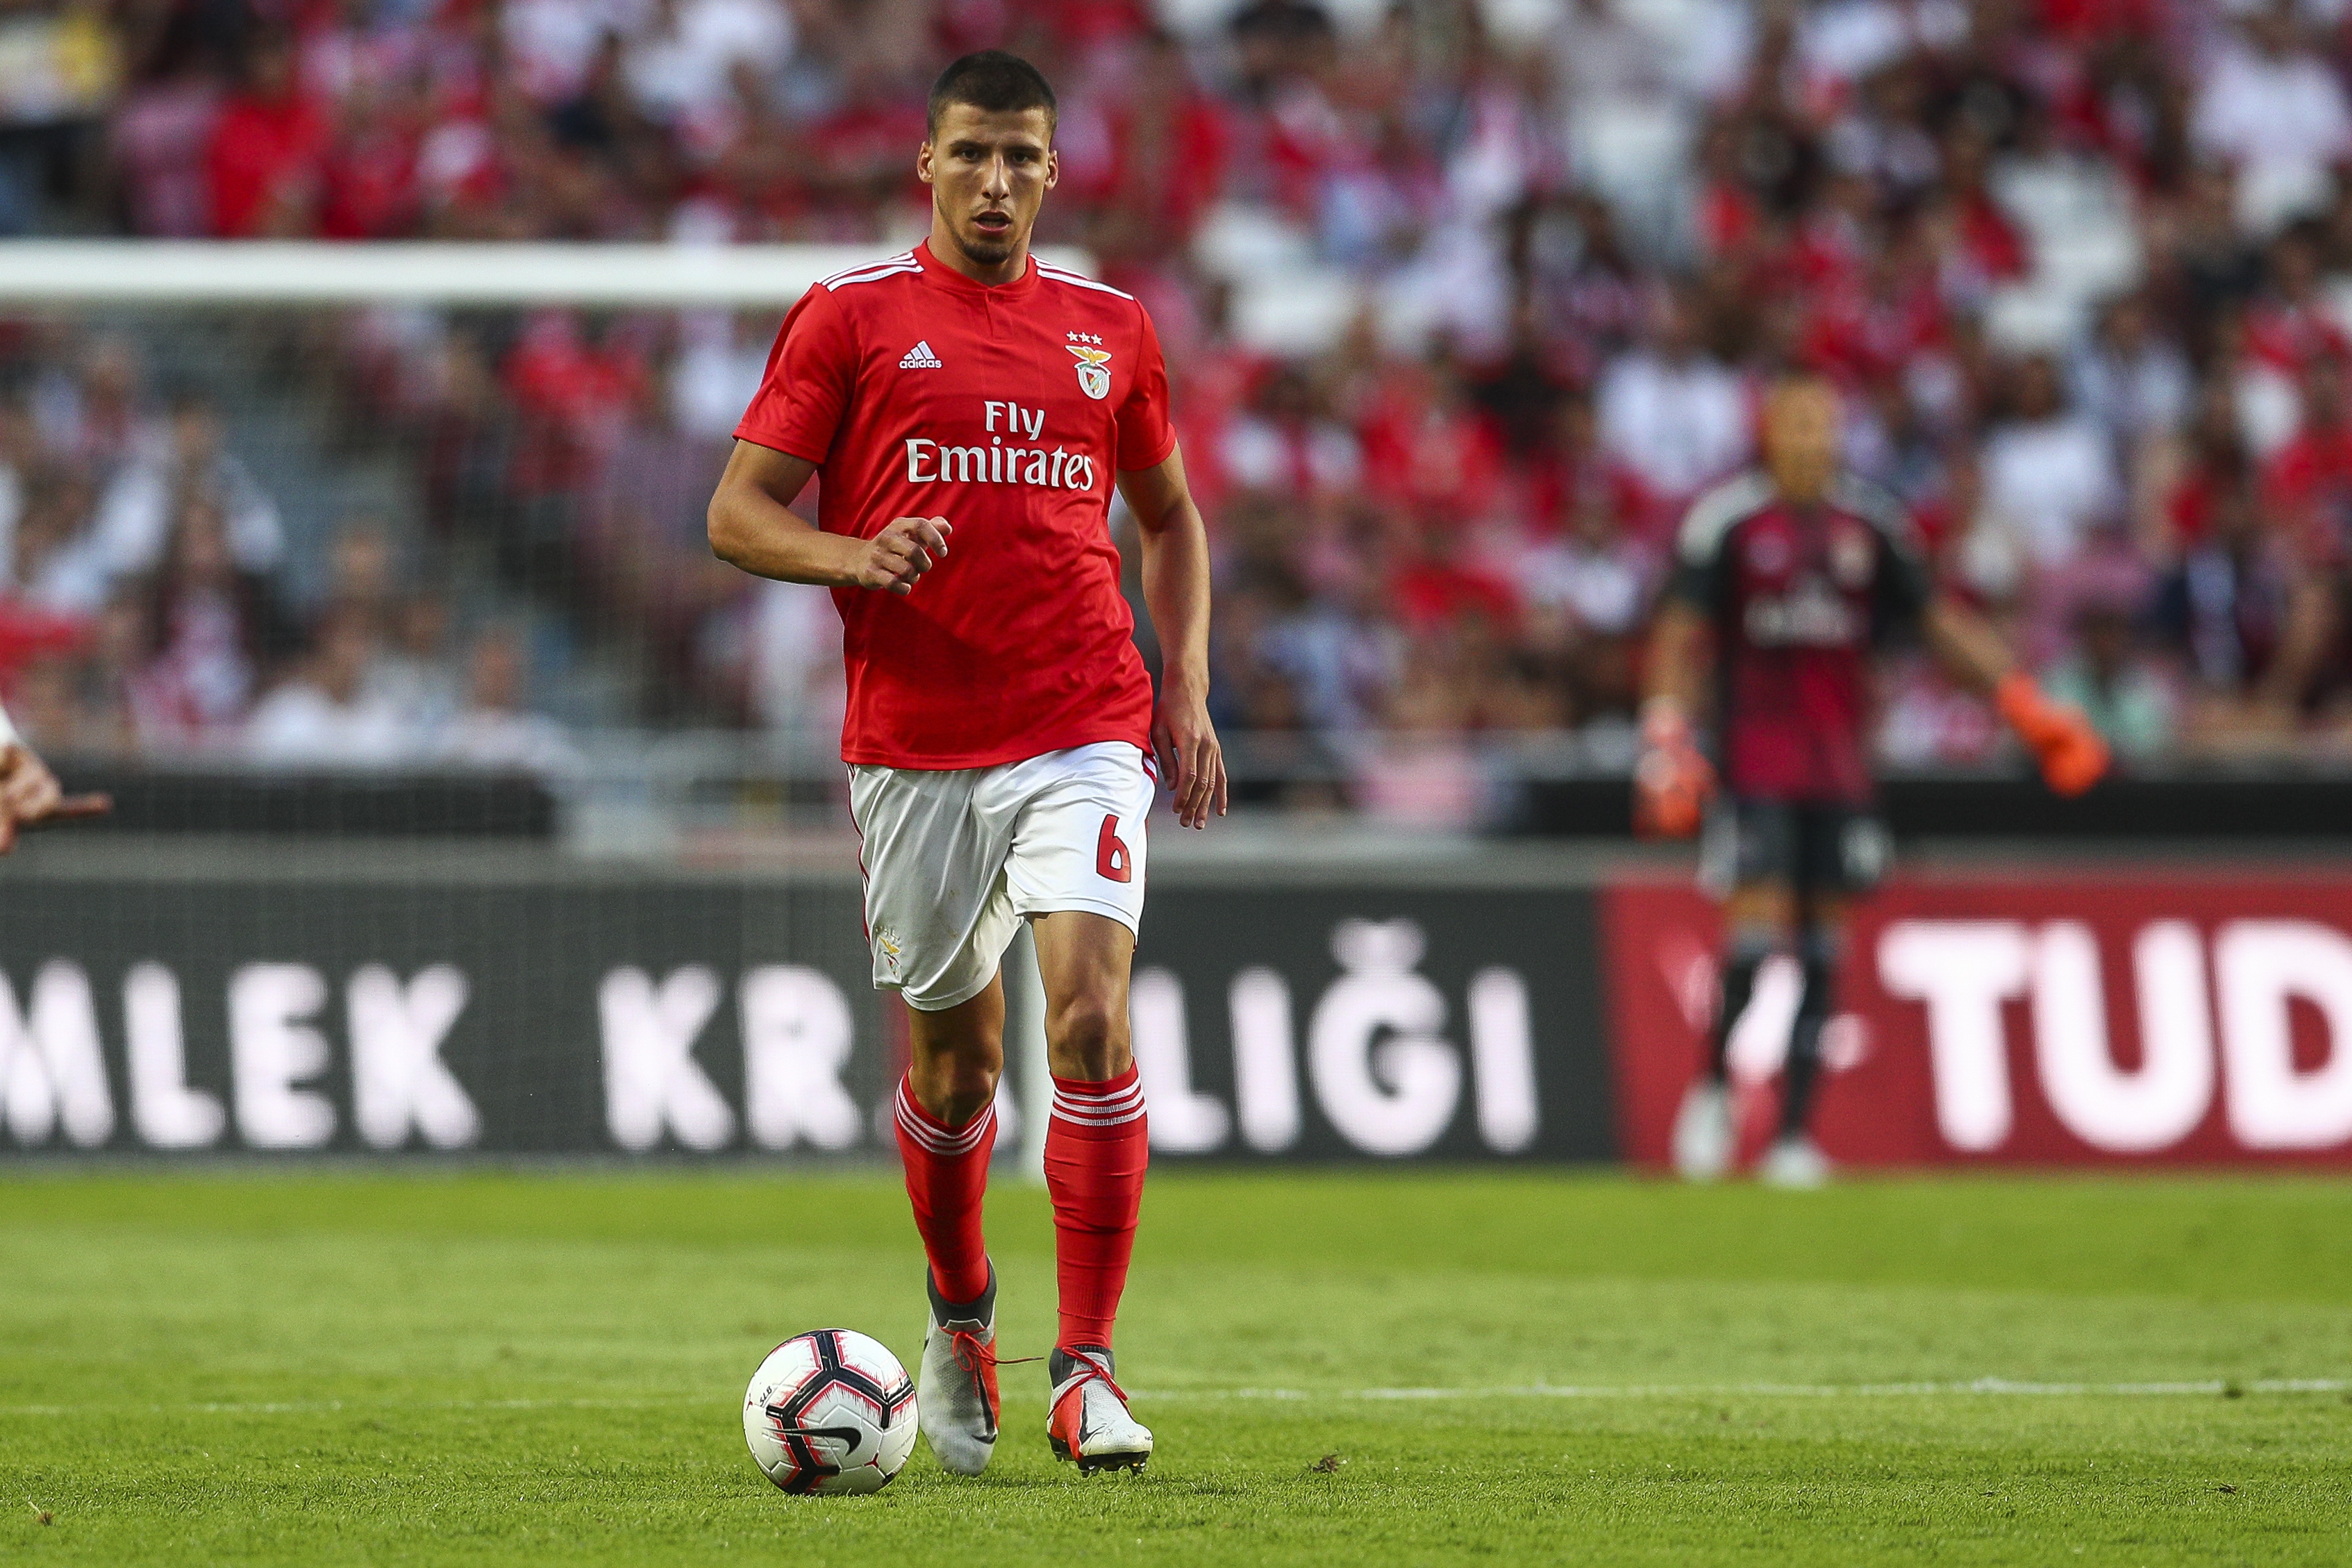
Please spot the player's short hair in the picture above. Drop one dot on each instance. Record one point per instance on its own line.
(994, 81)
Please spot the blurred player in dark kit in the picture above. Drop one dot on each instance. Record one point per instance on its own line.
(1786, 583)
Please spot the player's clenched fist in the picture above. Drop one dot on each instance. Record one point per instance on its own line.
(905, 549)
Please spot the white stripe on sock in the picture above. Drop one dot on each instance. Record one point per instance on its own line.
(1095, 1116)
(1131, 1095)
(931, 1135)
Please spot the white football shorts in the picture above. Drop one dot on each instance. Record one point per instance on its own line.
(955, 859)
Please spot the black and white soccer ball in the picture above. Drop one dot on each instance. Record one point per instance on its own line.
(830, 1411)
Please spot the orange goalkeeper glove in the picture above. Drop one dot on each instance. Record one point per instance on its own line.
(1672, 780)
(2072, 754)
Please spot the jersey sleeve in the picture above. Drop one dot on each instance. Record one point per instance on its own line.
(1145, 434)
(1905, 582)
(1701, 577)
(805, 391)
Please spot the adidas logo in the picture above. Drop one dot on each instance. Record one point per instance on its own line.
(920, 357)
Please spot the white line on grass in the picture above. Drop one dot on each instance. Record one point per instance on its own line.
(1982, 1385)
(1991, 1386)
(329, 1407)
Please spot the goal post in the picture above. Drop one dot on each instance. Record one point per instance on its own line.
(298, 273)
(567, 909)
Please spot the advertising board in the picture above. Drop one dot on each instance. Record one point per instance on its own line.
(679, 1017)
(2021, 1017)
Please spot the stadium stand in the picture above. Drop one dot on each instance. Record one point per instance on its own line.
(1465, 302)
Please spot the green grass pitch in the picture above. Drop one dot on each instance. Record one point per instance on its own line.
(1358, 1369)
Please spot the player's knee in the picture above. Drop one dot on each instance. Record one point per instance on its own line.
(956, 1085)
(963, 1087)
(1763, 910)
(1087, 1033)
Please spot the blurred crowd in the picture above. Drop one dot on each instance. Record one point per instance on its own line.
(1464, 303)
(152, 610)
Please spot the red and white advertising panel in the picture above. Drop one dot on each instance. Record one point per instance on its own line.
(2016, 1019)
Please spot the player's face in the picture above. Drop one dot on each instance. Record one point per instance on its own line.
(989, 172)
(1801, 440)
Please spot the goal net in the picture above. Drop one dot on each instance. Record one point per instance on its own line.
(463, 803)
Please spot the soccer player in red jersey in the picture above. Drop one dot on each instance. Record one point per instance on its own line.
(1785, 582)
(971, 408)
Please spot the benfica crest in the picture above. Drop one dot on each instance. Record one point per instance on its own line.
(1093, 371)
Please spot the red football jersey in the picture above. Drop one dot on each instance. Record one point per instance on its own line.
(1799, 597)
(1006, 410)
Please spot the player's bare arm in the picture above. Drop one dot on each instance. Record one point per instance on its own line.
(1969, 651)
(1176, 590)
(1675, 670)
(753, 526)
(1672, 778)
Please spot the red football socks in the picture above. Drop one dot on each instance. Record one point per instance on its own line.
(1095, 1151)
(947, 1172)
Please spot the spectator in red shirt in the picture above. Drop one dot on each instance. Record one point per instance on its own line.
(1168, 145)
(1986, 236)
(370, 176)
(1426, 444)
(2307, 484)
(2210, 463)
(267, 148)
(1878, 324)
(1435, 587)
(2290, 324)
(1569, 473)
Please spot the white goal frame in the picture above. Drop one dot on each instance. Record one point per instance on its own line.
(36, 272)
(311, 274)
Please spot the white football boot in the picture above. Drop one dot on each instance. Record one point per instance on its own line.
(956, 1403)
(1704, 1134)
(1795, 1162)
(1087, 1417)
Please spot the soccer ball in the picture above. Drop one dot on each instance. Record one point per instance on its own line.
(830, 1411)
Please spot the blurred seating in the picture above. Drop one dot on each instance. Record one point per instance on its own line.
(1463, 302)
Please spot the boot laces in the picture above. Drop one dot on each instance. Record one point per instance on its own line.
(972, 1353)
(1090, 1370)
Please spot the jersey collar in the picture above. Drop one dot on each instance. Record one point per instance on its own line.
(948, 277)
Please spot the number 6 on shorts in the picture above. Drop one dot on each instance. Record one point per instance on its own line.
(1111, 859)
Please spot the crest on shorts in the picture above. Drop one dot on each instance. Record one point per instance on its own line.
(1093, 371)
